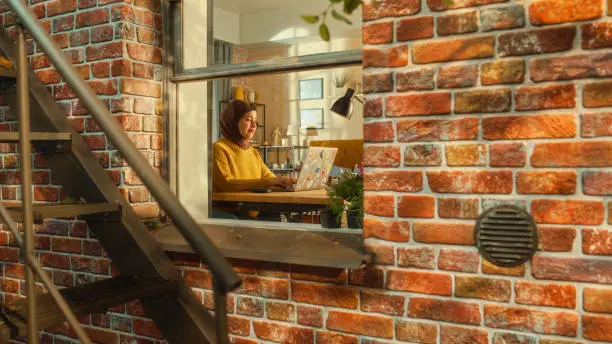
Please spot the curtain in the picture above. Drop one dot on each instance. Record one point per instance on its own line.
(222, 89)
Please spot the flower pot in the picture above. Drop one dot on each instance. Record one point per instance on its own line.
(354, 220)
(328, 219)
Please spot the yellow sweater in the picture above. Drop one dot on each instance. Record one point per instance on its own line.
(237, 169)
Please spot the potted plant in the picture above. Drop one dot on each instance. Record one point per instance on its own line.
(347, 195)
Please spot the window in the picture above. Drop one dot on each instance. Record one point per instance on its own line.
(284, 68)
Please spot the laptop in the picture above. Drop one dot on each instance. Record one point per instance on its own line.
(315, 169)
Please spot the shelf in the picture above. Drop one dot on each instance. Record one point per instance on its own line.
(282, 169)
(282, 147)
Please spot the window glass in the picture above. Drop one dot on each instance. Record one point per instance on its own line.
(248, 30)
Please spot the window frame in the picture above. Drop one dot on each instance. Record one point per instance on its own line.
(175, 74)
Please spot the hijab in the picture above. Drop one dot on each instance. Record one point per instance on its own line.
(228, 122)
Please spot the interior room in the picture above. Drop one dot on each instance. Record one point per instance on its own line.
(294, 110)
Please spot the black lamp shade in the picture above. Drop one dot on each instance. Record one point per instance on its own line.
(343, 106)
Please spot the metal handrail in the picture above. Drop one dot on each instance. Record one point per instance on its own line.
(221, 269)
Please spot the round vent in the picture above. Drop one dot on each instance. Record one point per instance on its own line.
(506, 235)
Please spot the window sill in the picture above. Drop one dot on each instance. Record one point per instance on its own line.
(274, 242)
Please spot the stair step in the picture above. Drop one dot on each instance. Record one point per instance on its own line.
(52, 211)
(13, 136)
(95, 297)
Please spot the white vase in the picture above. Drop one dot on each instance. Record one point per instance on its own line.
(251, 96)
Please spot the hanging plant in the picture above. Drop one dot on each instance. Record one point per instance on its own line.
(348, 7)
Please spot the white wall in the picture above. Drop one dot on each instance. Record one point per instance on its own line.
(192, 112)
(226, 26)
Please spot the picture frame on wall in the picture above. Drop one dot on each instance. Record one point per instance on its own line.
(311, 89)
(311, 118)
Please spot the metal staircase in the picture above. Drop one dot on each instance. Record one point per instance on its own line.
(146, 273)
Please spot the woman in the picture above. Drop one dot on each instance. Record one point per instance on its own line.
(237, 166)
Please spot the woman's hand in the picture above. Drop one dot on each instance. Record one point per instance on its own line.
(282, 182)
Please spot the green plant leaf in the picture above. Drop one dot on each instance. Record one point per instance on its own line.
(310, 19)
(324, 32)
(350, 6)
(340, 17)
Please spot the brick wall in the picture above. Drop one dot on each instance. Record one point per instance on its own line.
(492, 101)
(116, 47)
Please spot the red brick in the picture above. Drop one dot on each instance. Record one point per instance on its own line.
(596, 124)
(398, 231)
(468, 154)
(502, 18)
(415, 79)
(398, 8)
(90, 265)
(465, 128)
(596, 241)
(444, 233)
(538, 294)
(561, 11)
(458, 260)
(596, 35)
(545, 97)
(403, 181)
(377, 83)
(597, 327)
(382, 156)
(102, 34)
(92, 17)
(152, 5)
(104, 51)
(121, 67)
(265, 287)
(53, 260)
(522, 319)
(458, 208)
(417, 332)
(381, 205)
(67, 245)
(390, 57)
(504, 338)
(373, 107)
(457, 76)
(63, 23)
(238, 325)
(416, 206)
(48, 194)
(324, 337)
(140, 88)
(452, 24)
(326, 295)
(444, 310)
(483, 101)
(528, 127)
(377, 33)
(571, 67)
(144, 53)
(60, 6)
(250, 306)
(377, 302)
(546, 182)
(382, 254)
(106, 87)
(309, 316)
(282, 333)
(80, 37)
(441, 5)
(479, 182)
(317, 274)
(598, 300)
(409, 29)
(416, 257)
(101, 69)
(503, 72)
(483, 288)
(557, 341)
(423, 155)
(359, 323)
(462, 335)
(419, 282)
(573, 154)
(597, 94)
(556, 239)
(572, 269)
(597, 183)
(536, 41)
(48, 76)
(378, 132)
(438, 103)
(453, 49)
(568, 211)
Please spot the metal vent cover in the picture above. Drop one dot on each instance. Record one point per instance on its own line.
(506, 235)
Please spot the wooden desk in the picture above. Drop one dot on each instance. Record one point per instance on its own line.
(281, 201)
